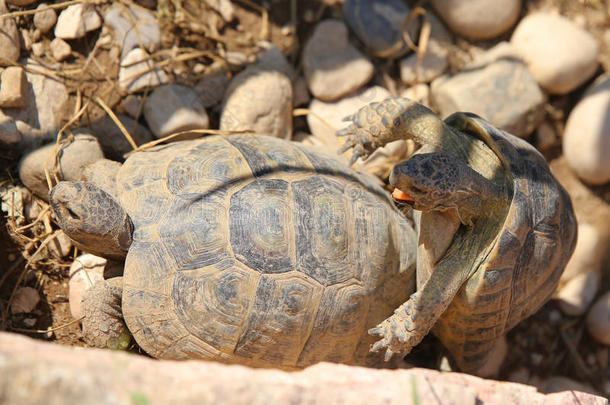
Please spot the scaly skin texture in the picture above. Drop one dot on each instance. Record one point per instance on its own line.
(92, 218)
(511, 228)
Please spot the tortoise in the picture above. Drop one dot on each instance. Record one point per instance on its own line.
(496, 228)
(242, 249)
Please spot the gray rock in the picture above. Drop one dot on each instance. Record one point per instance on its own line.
(45, 20)
(478, 19)
(13, 88)
(137, 73)
(586, 142)
(38, 373)
(10, 44)
(272, 58)
(173, 108)
(127, 35)
(25, 300)
(60, 49)
(259, 100)
(73, 158)
(45, 110)
(500, 90)
(8, 131)
(332, 66)
(598, 319)
(211, 89)
(588, 253)
(76, 20)
(578, 293)
(432, 65)
(112, 139)
(560, 55)
(379, 25)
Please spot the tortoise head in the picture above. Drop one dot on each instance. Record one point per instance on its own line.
(94, 220)
(440, 182)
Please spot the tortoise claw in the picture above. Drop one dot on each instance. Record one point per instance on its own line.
(377, 346)
(388, 355)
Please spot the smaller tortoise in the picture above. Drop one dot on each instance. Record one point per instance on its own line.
(242, 249)
(496, 229)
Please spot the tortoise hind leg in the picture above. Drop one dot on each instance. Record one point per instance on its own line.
(103, 324)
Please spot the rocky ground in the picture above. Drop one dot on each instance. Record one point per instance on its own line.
(78, 77)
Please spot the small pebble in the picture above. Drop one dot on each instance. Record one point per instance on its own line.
(135, 73)
(174, 108)
(85, 271)
(577, 294)
(8, 131)
(46, 109)
(10, 44)
(60, 49)
(38, 49)
(272, 58)
(260, 101)
(132, 105)
(76, 20)
(560, 55)
(379, 25)
(122, 19)
(598, 319)
(433, 64)
(25, 300)
(332, 66)
(13, 87)
(45, 20)
(478, 19)
(29, 322)
(586, 143)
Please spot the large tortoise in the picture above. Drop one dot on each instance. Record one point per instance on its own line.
(496, 229)
(243, 249)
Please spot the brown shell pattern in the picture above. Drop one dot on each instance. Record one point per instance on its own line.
(525, 264)
(255, 250)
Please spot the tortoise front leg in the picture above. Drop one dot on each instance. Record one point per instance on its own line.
(413, 320)
(103, 324)
(379, 123)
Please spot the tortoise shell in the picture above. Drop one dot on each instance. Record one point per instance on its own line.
(522, 269)
(256, 251)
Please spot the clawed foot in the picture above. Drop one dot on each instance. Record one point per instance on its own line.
(404, 329)
(395, 337)
(357, 140)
